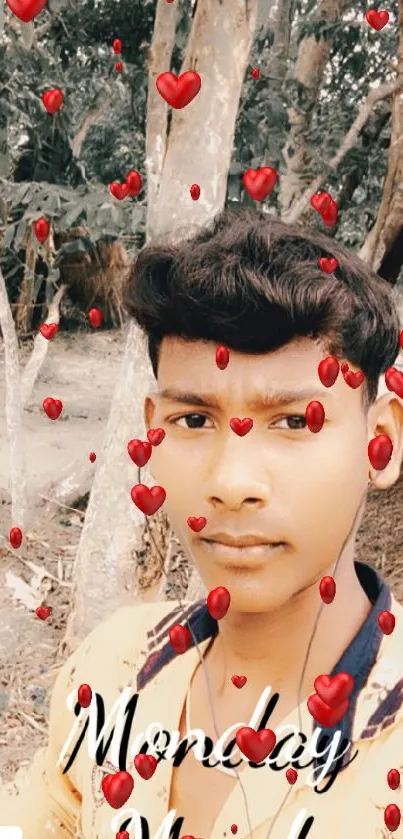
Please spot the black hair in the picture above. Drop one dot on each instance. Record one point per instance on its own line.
(253, 283)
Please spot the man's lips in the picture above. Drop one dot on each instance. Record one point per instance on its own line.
(246, 540)
(240, 551)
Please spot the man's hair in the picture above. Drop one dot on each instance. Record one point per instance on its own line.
(254, 284)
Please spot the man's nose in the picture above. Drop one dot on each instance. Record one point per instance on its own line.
(237, 476)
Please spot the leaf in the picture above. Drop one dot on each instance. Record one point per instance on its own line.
(20, 234)
(236, 168)
(70, 247)
(116, 214)
(29, 595)
(137, 217)
(27, 34)
(4, 165)
(53, 276)
(2, 16)
(74, 210)
(9, 236)
(56, 5)
(3, 210)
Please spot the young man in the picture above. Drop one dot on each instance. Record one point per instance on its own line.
(282, 506)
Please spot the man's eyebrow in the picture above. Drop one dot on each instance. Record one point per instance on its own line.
(262, 401)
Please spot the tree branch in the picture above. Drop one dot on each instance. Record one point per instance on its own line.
(375, 95)
(382, 248)
(313, 56)
(90, 119)
(13, 406)
(39, 351)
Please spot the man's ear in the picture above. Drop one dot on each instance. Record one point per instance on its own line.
(149, 411)
(386, 417)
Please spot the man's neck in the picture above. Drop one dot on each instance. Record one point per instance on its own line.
(270, 649)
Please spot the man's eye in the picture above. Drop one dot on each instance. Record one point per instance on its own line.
(192, 421)
(293, 423)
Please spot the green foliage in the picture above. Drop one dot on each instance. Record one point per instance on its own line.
(359, 59)
(70, 46)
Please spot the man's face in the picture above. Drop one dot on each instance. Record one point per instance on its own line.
(280, 501)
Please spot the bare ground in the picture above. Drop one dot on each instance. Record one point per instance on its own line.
(81, 369)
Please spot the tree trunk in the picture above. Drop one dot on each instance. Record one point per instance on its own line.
(277, 64)
(383, 248)
(159, 59)
(24, 312)
(199, 150)
(13, 408)
(313, 56)
(201, 137)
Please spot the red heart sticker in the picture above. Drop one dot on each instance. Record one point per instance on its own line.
(139, 451)
(386, 622)
(321, 201)
(241, 426)
(53, 100)
(15, 537)
(197, 524)
(26, 10)
(180, 638)
(95, 318)
(392, 816)
(195, 192)
(291, 775)
(330, 213)
(117, 789)
(328, 264)
(328, 370)
(380, 451)
(43, 612)
(393, 779)
(222, 357)
(327, 589)
(239, 681)
(218, 602)
(119, 191)
(49, 330)
(255, 745)
(134, 182)
(326, 716)
(315, 416)
(52, 407)
(156, 436)
(148, 500)
(84, 696)
(259, 183)
(42, 229)
(334, 689)
(145, 765)
(353, 380)
(178, 91)
(394, 381)
(377, 19)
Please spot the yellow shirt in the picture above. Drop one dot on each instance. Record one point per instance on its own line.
(53, 803)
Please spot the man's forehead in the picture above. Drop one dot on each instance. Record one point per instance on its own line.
(189, 374)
